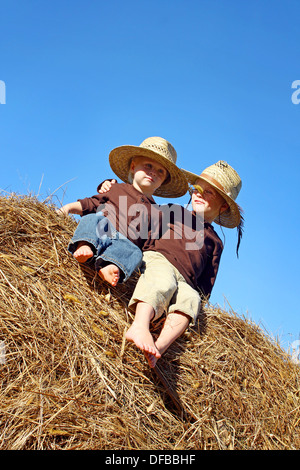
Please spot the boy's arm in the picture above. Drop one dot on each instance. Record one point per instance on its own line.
(71, 208)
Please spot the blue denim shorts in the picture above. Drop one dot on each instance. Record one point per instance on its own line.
(109, 246)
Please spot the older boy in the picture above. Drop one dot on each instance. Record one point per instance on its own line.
(213, 197)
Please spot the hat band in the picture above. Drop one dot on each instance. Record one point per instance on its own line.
(212, 180)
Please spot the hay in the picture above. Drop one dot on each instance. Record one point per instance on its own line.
(70, 381)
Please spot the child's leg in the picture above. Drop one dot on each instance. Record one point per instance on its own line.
(96, 237)
(118, 260)
(85, 242)
(139, 332)
(176, 323)
(151, 296)
(183, 308)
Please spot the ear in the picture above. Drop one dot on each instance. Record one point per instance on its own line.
(224, 207)
(132, 165)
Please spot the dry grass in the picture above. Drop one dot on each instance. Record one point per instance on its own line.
(69, 381)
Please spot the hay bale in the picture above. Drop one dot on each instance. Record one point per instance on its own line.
(70, 381)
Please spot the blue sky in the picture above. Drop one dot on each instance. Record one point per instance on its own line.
(214, 77)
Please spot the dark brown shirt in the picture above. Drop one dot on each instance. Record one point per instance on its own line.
(197, 261)
(199, 267)
(128, 209)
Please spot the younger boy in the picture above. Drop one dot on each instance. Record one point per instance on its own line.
(115, 248)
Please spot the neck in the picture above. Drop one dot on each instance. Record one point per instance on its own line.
(208, 219)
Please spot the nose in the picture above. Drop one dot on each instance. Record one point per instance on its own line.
(153, 171)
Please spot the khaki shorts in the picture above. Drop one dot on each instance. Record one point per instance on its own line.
(163, 287)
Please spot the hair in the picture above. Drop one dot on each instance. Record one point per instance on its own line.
(240, 230)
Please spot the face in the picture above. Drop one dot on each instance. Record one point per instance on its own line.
(148, 175)
(209, 203)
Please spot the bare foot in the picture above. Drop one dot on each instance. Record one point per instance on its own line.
(83, 252)
(143, 339)
(110, 273)
(152, 360)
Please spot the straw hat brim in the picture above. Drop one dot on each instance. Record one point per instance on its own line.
(229, 218)
(120, 157)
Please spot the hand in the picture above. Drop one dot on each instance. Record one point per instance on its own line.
(106, 186)
(62, 211)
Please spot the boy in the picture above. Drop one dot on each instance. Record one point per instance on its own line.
(173, 273)
(113, 231)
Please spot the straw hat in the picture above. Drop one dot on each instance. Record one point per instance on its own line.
(157, 149)
(228, 184)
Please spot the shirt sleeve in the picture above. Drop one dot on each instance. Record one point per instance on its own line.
(91, 204)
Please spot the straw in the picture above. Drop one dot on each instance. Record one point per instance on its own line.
(70, 381)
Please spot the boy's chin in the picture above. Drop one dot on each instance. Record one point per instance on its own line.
(199, 209)
(150, 185)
